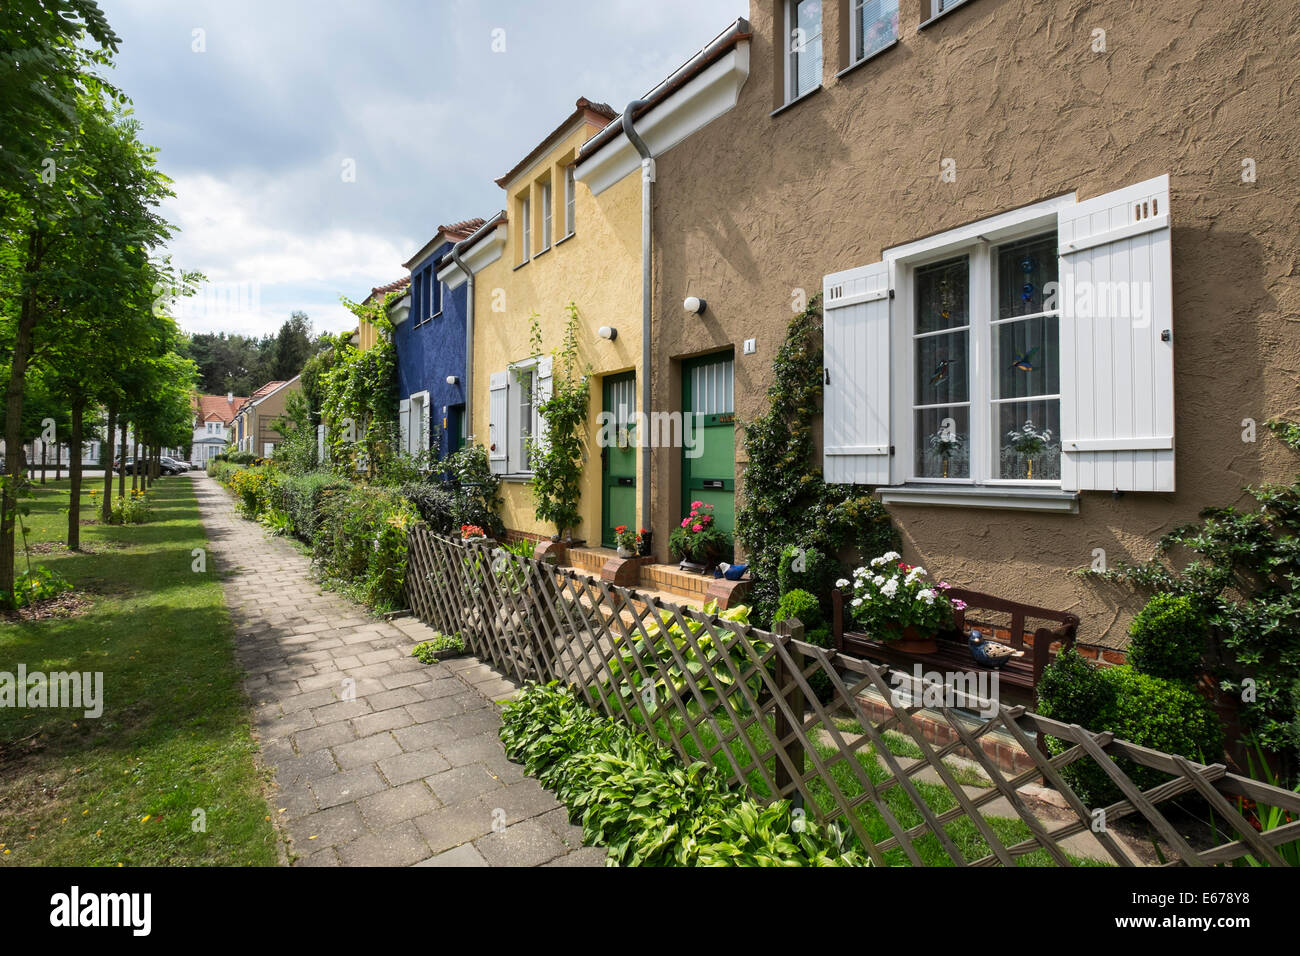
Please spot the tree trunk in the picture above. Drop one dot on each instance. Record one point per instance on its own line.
(121, 478)
(58, 461)
(22, 351)
(45, 454)
(110, 443)
(153, 465)
(74, 476)
(135, 463)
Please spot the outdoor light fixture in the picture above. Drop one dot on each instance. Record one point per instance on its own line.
(452, 380)
(695, 305)
(607, 332)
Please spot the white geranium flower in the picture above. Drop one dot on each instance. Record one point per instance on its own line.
(926, 595)
(877, 562)
(891, 556)
(842, 583)
(856, 601)
(890, 588)
(878, 580)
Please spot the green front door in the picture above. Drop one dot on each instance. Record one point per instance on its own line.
(709, 448)
(618, 457)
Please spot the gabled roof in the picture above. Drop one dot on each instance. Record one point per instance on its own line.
(452, 233)
(485, 229)
(216, 406)
(380, 291)
(260, 394)
(597, 114)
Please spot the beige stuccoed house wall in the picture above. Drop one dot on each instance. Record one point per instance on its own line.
(756, 205)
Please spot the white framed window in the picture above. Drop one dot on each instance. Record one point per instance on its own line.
(1010, 362)
(546, 216)
(873, 25)
(525, 230)
(985, 364)
(943, 6)
(524, 418)
(804, 48)
(570, 199)
(514, 422)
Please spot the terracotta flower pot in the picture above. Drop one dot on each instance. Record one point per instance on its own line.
(913, 642)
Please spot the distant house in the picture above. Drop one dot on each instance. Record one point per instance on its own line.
(429, 336)
(213, 415)
(252, 430)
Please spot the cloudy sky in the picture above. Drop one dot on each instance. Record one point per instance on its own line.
(260, 108)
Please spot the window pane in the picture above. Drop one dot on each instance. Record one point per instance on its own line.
(1029, 444)
(943, 295)
(1024, 270)
(942, 368)
(943, 443)
(806, 46)
(877, 26)
(1028, 356)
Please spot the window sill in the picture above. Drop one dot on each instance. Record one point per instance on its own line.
(967, 496)
(796, 101)
(541, 252)
(519, 479)
(521, 265)
(939, 16)
(565, 238)
(867, 59)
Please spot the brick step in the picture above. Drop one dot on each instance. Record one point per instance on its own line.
(671, 578)
(590, 560)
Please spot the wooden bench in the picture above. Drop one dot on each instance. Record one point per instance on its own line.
(953, 654)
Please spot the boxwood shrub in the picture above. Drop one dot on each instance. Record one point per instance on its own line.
(1144, 709)
(1169, 637)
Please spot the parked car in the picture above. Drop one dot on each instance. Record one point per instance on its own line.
(176, 463)
(167, 466)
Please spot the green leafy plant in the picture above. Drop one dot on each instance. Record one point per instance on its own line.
(131, 508)
(666, 636)
(1168, 637)
(38, 584)
(1146, 710)
(275, 521)
(786, 502)
(802, 605)
(557, 458)
(1242, 567)
(446, 645)
(648, 809)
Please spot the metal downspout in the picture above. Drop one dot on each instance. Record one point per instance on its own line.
(647, 179)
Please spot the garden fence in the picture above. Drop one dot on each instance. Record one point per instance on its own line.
(746, 700)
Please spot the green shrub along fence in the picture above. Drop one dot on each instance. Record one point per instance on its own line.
(712, 688)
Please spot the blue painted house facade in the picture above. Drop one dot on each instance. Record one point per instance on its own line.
(429, 338)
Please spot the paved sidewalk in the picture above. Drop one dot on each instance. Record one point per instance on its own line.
(379, 760)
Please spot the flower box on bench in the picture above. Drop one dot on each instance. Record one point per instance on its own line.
(953, 653)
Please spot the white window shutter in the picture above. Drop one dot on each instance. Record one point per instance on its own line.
(404, 423)
(542, 393)
(425, 433)
(855, 338)
(498, 438)
(1117, 358)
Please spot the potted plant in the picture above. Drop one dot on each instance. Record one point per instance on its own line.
(1029, 443)
(697, 541)
(643, 541)
(627, 541)
(472, 532)
(893, 601)
(945, 443)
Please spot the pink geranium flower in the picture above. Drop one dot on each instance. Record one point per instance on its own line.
(697, 527)
(685, 522)
(697, 504)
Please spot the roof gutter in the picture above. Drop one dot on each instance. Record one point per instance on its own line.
(647, 180)
(456, 251)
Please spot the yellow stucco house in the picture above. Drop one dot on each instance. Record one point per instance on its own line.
(555, 244)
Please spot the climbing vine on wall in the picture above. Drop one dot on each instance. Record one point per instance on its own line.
(359, 394)
(786, 503)
(557, 457)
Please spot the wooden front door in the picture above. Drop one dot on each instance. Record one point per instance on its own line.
(618, 457)
(709, 456)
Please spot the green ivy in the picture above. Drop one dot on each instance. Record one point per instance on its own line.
(557, 459)
(786, 502)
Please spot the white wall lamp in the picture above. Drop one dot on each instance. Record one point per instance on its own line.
(607, 332)
(453, 380)
(695, 305)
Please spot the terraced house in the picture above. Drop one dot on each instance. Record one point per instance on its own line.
(555, 246)
(1048, 331)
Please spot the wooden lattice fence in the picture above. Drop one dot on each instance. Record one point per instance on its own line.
(747, 700)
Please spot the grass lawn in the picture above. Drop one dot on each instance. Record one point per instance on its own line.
(174, 736)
